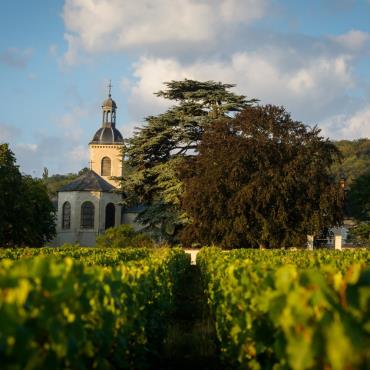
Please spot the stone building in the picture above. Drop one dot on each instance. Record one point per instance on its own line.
(90, 204)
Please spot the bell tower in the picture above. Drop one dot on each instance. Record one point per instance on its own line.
(106, 147)
(109, 110)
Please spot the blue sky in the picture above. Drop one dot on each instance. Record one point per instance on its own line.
(56, 58)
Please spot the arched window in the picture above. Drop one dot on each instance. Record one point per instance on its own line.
(110, 215)
(66, 216)
(87, 215)
(106, 166)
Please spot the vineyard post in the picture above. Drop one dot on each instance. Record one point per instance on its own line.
(338, 242)
(310, 242)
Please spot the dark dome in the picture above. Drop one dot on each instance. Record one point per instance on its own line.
(110, 103)
(107, 135)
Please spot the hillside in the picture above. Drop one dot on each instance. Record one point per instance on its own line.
(55, 182)
(356, 158)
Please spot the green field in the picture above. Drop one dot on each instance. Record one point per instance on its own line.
(82, 308)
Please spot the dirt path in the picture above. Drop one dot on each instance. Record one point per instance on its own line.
(191, 341)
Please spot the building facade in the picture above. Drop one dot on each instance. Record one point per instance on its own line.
(91, 204)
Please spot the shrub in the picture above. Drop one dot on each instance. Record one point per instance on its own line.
(124, 236)
(360, 234)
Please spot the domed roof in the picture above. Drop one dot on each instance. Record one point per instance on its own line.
(107, 135)
(109, 103)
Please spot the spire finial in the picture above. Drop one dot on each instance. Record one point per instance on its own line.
(110, 88)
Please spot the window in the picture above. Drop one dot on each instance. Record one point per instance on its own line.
(66, 216)
(105, 166)
(109, 215)
(87, 215)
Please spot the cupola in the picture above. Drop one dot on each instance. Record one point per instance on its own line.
(108, 134)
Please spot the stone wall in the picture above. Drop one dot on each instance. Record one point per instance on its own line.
(86, 237)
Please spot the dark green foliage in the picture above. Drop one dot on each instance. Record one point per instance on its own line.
(355, 169)
(356, 158)
(26, 213)
(37, 216)
(167, 141)
(360, 234)
(59, 312)
(260, 179)
(10, 198)
(123, 236)
(359, 197)
(289, 310)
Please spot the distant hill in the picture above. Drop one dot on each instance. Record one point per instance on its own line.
(356, 158)
(355, 167)
(55, 182)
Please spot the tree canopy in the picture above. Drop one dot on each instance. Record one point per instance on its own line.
(359, 197)
(355, 169)
(167, 141)
(27, 216)
(260, 179)
(356, 158)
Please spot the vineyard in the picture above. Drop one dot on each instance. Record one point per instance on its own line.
(82, 308)
(290, 310)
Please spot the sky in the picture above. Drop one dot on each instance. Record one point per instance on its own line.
(57, 57)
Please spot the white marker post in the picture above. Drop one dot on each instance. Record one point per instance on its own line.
(338, 242)
(310, 242)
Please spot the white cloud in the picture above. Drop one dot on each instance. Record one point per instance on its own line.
(8, 133)
(111, 25)
(308, 88)
(60, 152)
(349, 127)
(353, 40)
(78, 158)
(55, 153)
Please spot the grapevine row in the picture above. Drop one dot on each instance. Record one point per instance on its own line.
(287, 310)
(58, 312)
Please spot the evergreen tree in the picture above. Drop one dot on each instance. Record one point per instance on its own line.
(260, 180)
(168, 141)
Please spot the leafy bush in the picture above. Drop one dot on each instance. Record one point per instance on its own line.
(360, 234)
(124, 236)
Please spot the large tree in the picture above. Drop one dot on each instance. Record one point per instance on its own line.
(260, 180)
(10, 202)
(166, 142)
(27, 216)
